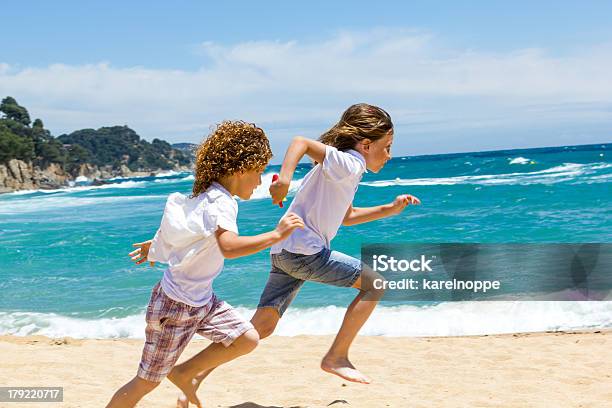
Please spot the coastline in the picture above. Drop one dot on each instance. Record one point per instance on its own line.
(19, 176)
(510, 370)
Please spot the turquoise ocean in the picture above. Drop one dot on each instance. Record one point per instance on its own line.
(64, 268)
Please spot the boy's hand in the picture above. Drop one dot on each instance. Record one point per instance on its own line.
(287, 224)
(279, 190)
(402, 201)
(141, 254)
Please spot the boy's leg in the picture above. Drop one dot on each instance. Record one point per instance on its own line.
(232, 337)
(278, 293)
(336, 361)
(280, 290)
(338, 269)
(166, 335)
(182, 375)
(264, 320)
(131, 393)
(162, 348)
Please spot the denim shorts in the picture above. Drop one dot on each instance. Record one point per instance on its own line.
(290, 271)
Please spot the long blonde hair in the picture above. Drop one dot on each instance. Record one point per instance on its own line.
(360, 121)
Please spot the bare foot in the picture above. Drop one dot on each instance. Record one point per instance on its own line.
(343, 368)
(187, 385)
(182, 401)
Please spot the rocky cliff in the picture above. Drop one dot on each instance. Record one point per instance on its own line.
(20, 175)
(32, 158)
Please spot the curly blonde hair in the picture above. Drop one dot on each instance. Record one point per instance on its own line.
(232, 147)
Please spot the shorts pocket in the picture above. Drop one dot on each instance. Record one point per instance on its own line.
(312, 264)
(163, 311)
(287, 262)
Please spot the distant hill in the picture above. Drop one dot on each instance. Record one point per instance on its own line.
(119, 145)
(187, 148)
(30, 157)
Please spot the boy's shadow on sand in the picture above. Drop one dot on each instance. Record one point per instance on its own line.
(254, 405)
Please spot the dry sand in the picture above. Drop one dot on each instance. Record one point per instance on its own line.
(520, 370)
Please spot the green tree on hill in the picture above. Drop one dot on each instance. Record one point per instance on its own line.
(14, 111)
(13, 146)
(15, 135)
(108, 146)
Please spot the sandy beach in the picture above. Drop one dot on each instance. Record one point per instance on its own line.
(515, 370)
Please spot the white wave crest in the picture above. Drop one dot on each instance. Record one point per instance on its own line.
(557, 174)
(262, 191)
(39, 204)
(446, 319)
(55, 325)
(119, 178)
(169, 173)
(125, 184)
(27, 192)
(519, 160)
(190, 177)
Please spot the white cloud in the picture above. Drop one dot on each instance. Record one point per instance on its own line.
(294, 85)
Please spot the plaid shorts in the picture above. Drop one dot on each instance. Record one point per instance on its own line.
(171, 325)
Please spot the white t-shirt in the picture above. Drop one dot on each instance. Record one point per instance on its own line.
(186, 242)
(322, 200)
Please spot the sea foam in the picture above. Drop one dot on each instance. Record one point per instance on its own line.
(445, 319)
(556, 174)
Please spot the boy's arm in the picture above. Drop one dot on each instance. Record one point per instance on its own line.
(299, 147)
(234, 246)
(361, 215)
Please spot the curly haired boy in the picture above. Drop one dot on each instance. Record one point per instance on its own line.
(196, 234)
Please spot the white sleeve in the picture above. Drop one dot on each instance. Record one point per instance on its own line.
(338, 165)
(169, 229)
(226, 214)
(159, 251)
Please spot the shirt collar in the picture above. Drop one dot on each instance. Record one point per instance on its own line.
(220, 187)
(358, 155)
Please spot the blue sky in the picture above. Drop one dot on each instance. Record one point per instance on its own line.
(455, 76)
